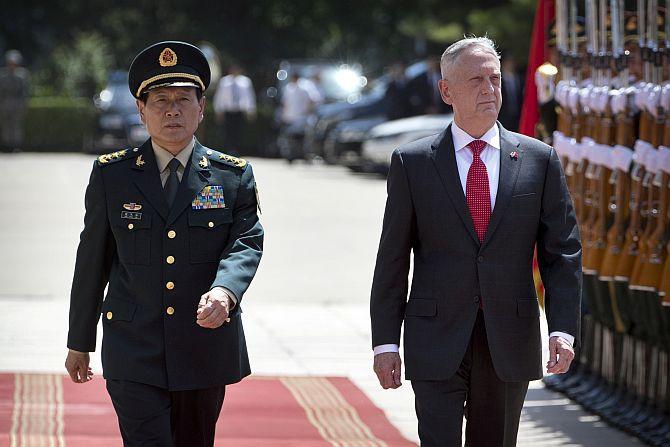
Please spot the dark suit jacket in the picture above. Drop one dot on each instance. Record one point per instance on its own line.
(423, 96)
(211, 247)
(426, 212)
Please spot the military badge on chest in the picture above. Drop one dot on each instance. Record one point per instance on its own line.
(132, 211)
(210, 197)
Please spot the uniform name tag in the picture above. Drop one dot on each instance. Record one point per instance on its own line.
(211, 197)
(130, 215)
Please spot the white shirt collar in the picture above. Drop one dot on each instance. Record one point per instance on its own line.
(462, 138)
(163, 156)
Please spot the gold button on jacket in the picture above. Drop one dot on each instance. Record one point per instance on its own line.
(169, 285)
(170, 259)
(170, 310)
(109, 315)
(172, 234)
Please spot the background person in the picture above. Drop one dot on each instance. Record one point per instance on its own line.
(14, 93)
(234, 105)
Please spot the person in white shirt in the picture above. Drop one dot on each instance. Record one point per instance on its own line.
(234, 105)
(297, 100)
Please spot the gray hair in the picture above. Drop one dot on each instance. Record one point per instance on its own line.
(452, 53)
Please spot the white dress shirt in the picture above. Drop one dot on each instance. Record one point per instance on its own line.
(235, 93)
(491, 158)
(296, 101)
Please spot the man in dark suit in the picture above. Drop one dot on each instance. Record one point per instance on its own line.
(512, 90)
(471, 204)
(171, 228)
(423, 95)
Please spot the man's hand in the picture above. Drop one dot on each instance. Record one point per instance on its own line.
(387, 367)
(560, 355)
(213, 308)
(77, 367)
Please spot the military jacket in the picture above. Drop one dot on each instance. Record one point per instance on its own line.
(158, 261)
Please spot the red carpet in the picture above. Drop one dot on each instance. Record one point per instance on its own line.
(50, 410)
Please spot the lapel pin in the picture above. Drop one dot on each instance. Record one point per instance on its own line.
(514, 155)
(203, 162)
(132, 206)
(139, 161)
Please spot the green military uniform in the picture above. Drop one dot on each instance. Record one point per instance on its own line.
(158, 253)
(159, 261)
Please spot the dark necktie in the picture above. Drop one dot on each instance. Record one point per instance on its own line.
(172, 183)
(477, 192)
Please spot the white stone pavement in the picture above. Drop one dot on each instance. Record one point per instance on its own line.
(306, 312)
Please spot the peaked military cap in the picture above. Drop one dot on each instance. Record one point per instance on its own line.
(168, 64)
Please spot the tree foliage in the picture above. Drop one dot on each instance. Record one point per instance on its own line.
(98, 34)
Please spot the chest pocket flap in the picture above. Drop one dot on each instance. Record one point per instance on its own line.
(118, 310)
(125, 218)
(210, 218)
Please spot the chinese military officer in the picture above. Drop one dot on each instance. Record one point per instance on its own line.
(171, 228)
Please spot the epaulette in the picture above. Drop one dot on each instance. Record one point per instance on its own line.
(226, 159)
(113, 157)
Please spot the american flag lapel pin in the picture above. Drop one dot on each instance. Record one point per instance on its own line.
(514, 155)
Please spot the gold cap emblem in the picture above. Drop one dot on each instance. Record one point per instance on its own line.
(168, 58)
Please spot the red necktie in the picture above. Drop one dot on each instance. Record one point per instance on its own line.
(477, 192)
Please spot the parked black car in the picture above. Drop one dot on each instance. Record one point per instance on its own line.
(343, 144)
(118, 123)
(327, 118)
(337, 83)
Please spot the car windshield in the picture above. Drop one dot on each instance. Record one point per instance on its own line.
(119, 97)
(116, 95)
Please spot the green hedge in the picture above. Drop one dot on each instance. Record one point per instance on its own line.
(60, 124)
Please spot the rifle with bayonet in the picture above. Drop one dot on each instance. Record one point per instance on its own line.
(637, 203)
(641, 278)
(622, 155)
(603, 150)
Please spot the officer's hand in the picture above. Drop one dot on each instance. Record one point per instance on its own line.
(213, 308)
(560, 355)
(387, 367)
(77, 367)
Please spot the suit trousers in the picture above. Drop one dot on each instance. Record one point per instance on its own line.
(153, 416)
(233, 131)
(491, 407)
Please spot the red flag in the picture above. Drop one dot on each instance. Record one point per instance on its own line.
(538, 54)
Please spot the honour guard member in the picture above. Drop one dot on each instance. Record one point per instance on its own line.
(545, 81)
(14, 95)
(171, 229)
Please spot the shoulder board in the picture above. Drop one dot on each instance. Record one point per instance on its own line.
(213, 155)
(113, 157)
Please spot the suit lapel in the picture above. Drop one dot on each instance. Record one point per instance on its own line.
(196, 176)
(147, 179)
(444, 157)
(509, 172)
